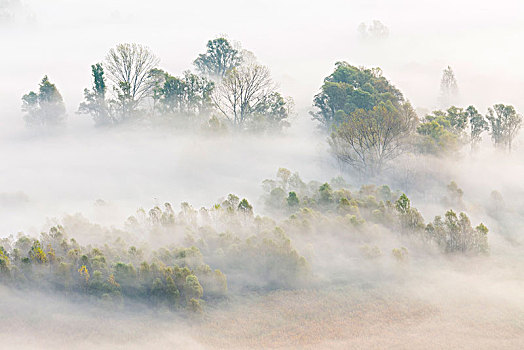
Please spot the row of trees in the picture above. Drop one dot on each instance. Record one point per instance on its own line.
(371, 123)
(375, 205)
(173, 270)
(114, 273)
(129, 86)
(453, 234)
(444, 132)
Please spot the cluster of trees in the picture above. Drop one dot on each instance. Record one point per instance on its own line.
(444, 132)
(453, 234)
(113, 274)
(368, 118)
(370, 123)
(128, 86)
(372, 205)
(251, 250)
(375, 31)
(44, 108)
(173, 270)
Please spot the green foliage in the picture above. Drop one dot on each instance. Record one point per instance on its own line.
(187, 96)
(455, 234)
(111, 274)
(400, 254)
(505, 124)
(219, 58)
(478, 124)
(442, 132)
(95, 103)
(270, 115)
(350, 88)
(245, 207)
(192, 288)
(325, 194)
(377, 205)
(410, 219)
(292, 200)
(367, 140)
(247, 252)
(44, 108)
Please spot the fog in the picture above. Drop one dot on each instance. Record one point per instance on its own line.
(91, 180)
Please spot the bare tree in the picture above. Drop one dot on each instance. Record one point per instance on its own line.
(367, 140)
(242, 91)
(128, 67)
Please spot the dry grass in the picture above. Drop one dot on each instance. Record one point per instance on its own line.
(359, 319)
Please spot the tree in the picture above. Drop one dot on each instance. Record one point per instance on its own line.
(245, 207)
(192, 288)
(247, 92)
(95, 100)
(44, 108)
(84, 274)
(189, 95)
(271, 113)
(350, 88)
(172, 293)
(505, 124)
(448, 88)
(442, 132)
(410, 218)
(455, 234)
(129, 67)
(478, 124)
(292, 200)
(220, 58)
(368, 140)
(376, 30)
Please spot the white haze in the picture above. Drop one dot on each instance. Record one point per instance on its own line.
(300, 42)
(47, 177)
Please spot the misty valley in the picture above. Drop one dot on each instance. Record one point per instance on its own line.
(207, 200)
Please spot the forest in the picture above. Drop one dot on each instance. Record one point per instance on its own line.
(368, 124)
(288, 192)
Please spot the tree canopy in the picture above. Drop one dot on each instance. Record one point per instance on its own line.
(95, 103)
(219, 59)
(350, 88)
(505, 124)
(248, 99)
(44, 108)
(368, 140)
(128, 67)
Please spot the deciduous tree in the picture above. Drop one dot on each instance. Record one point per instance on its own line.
(505, 124)
(247, 93)
(349, 89)
(219, 59)
(368, 140)
(128, 67)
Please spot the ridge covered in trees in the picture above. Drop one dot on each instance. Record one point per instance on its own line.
(175, 261)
